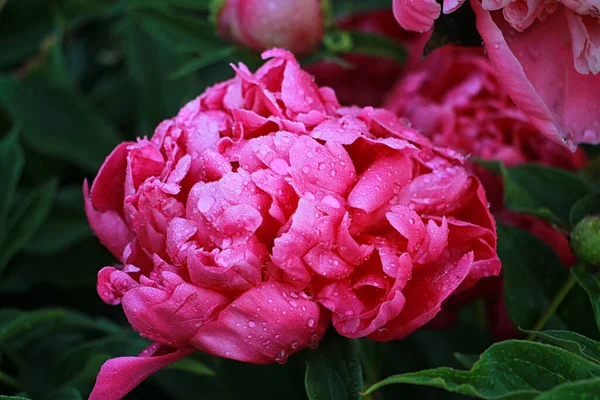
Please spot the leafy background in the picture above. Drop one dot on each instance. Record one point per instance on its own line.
(79, 76)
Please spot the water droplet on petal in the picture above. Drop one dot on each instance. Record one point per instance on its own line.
(294, 345)
(279, 166)
(310, 322)
(281, 357)
(205, 203)
(251, 324)
(331, 201)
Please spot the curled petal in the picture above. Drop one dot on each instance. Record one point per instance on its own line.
(372, 301)
(121, 375)
(108, 225)
(416, 15)
(234, 269)
(154, 311)
(265, 324)
(408, 224)
(113, 284)
(424, 295)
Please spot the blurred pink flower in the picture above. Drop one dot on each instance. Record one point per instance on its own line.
(524, 40)
(367, 80)
(297, 25)
(264, 210)
(454, 98)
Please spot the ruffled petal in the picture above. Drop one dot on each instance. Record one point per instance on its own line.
(154, 311)
(416, 15)
(265, 324)
(424, 294)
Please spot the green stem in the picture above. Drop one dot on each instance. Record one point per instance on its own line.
(9, 380)
(560, 296)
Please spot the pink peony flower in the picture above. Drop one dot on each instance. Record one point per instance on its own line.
(263, 211)
(454, 98)
(368, 79)
(297, 25)
(523, 40)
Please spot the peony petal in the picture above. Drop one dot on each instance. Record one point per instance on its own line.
(379, 183)
(343, 130)
(560, 102)
(327, 263)
(424, 295)
(107, 192)
(113, 284)
(357, 309)
(154, 311)
(144, 160)
(265, 324)
(121, 375)
(315, 167)
(348, 248)
(109, 226)
(450, 6)
(234, 269)
(408, 224)
(416, 15)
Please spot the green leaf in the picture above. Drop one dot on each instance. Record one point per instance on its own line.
(197, 5)
(192, 366)
(149, 62)
(13, 398)
(25, 219)
(508, 370)
(467, 360)
(83, 361)
(351, 7)
(589, 280)
(58, 123)
(546, 192)
(180, 33)
(27, 23)
(585, 206)
(66, 225)
(68, 271)
(53, 65)
(17, 328)
(333, 371)
(67, 393)
(11, 165)
(345, 42)
(533, 275)
(587, 389)
(24, 25)
(572, 341)
(203, 61)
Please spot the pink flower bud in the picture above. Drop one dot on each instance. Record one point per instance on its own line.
(262, 24)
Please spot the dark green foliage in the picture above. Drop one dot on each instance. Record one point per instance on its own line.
(79, 76)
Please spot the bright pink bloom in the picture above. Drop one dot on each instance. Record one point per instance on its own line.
(454, 98)
(264, 210)
(368, 79)
(261, 24)
(523, 40)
